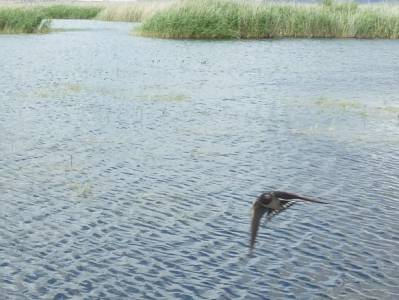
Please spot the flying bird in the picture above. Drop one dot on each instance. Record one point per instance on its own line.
(272, 203)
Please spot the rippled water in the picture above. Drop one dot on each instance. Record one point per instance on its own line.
(129, 165)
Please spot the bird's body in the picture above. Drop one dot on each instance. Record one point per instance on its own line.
(272, 203)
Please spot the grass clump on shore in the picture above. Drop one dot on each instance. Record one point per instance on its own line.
(20, 20)
(36, 19)
(204, 19)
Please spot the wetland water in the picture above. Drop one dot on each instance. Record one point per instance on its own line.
(128, 166)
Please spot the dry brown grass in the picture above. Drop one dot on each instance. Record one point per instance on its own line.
(133, 11)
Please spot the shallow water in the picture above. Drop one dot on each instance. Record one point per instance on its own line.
(128, 166)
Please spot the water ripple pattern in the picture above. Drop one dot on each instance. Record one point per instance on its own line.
(128, 166)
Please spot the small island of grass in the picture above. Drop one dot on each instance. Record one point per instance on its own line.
(222, 19)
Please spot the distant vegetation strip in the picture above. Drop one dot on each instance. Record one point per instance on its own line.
(133, 12)
(223, 19)
(70, 11)
(220, 19)
(36, 19)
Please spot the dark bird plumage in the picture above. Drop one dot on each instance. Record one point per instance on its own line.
(272, 203)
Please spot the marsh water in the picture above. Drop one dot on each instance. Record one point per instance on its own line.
(128, 166)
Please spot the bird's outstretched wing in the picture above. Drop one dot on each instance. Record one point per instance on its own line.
(257, 214)
(259, 209)
(284, 206)
(290, 196)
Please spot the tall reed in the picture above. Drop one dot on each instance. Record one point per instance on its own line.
(132, 12)
(69, 11)
(34, 19)
(20, 20)
(237, 19)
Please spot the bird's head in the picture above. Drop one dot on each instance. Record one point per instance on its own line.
(263, 200)
(259, 208)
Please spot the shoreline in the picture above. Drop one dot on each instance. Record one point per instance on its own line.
(216, 19)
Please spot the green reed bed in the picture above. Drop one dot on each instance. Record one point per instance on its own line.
(204, 19)
(70, 11)
(20, 20)
(36, 19)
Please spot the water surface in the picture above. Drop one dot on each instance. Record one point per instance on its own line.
(128, 166)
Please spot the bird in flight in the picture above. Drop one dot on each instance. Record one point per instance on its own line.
(272, 203)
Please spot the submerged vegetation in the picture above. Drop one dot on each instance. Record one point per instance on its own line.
(233, 19)
(219, 19)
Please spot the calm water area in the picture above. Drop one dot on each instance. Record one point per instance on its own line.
(128, 166)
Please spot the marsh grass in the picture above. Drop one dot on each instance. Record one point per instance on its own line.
(220, 19)
(204, 19)
(133, 12)
(20, 20)
(36, 19)
(70, 11)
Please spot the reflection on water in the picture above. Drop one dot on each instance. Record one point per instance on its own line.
(129, 165)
